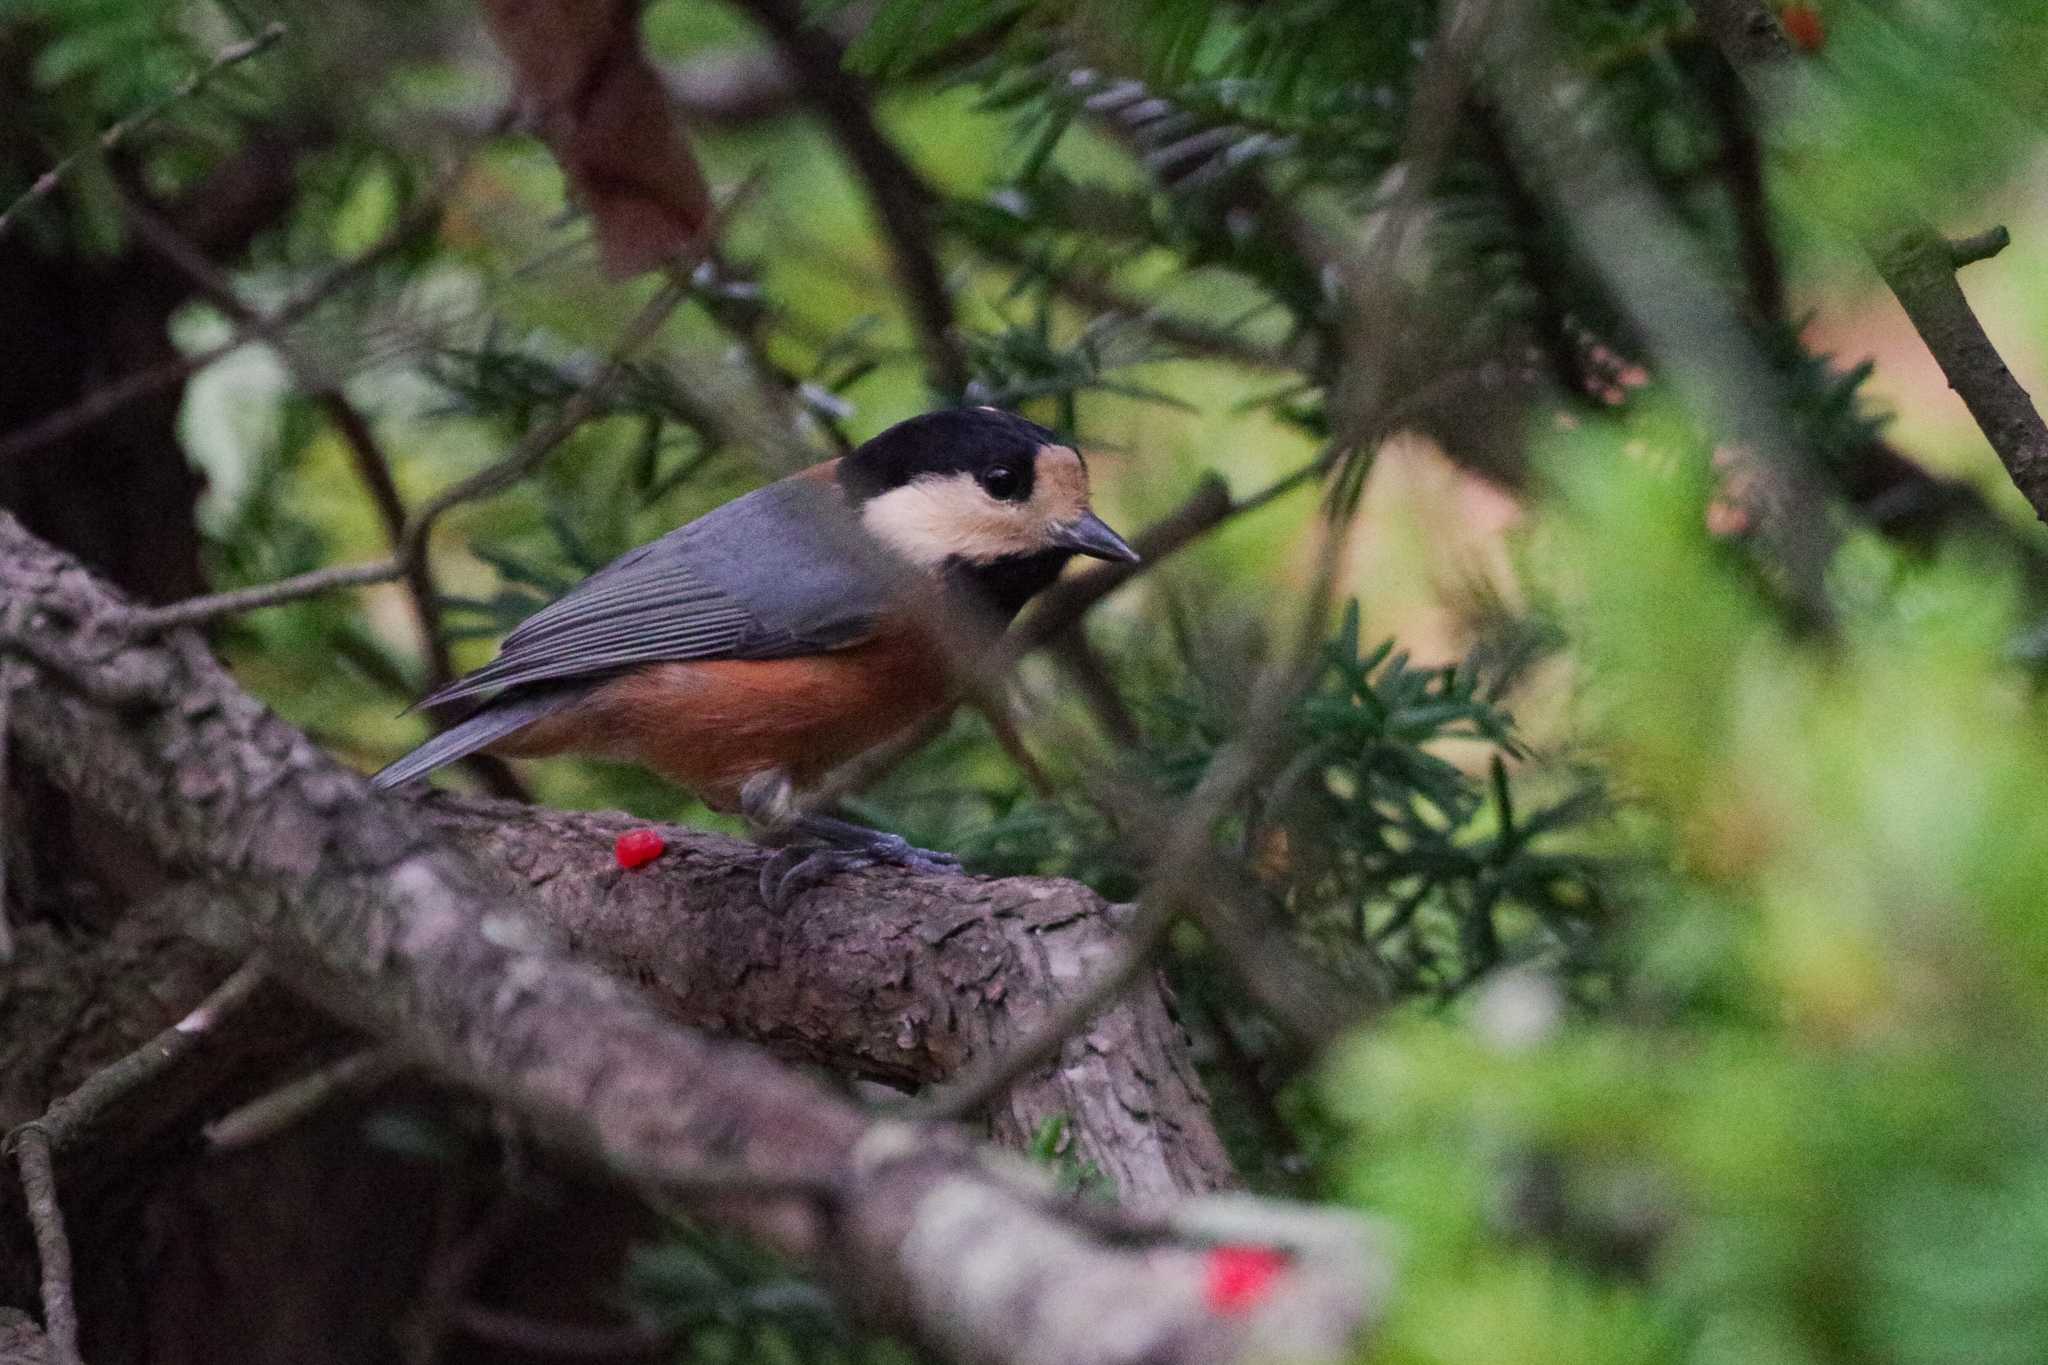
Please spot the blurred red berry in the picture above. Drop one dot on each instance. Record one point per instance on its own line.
(1239, 1276)
(1803, 27)
(638, 847)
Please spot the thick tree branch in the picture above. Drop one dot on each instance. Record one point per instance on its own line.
(906, 981)
(1917, 264)
(362, 903)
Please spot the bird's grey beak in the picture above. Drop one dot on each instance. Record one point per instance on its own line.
(1091, 536)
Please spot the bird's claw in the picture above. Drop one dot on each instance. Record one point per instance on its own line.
(793, 871)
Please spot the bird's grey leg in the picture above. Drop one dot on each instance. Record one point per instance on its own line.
(818, 846)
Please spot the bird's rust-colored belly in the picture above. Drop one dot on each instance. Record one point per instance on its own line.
(712, 724)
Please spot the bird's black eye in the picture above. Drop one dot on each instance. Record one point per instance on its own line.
(1003, 482)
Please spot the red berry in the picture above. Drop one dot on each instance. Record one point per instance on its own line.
(638, 847)
(1239, 1276)
(1803, 27)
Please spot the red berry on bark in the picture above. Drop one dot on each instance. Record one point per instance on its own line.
(1237, 1277)
(638, 847)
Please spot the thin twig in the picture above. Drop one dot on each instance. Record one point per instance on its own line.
(1742, 170)
(523, 459)
(528, 454)
(53, 1248)
(1657, 272)
(1095, 292)
(36, 1142)
(1184, 880)
(1180, 882)
(103, 402)
(195, 611)
(901, 198)
(283, 1108)
(1207, 508)
(77, 1110)
(966, 1094)
(1920, 268)
(1978, 246)
(506, 472)
(373, 467)
(46, 184)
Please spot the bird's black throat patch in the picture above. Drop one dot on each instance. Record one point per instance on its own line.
(1004, 585)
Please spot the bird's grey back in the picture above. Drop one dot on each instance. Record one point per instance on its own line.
(781, 571)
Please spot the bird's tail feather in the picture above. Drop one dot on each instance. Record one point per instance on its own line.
(481, 730)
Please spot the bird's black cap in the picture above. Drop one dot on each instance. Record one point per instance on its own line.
(951, 441)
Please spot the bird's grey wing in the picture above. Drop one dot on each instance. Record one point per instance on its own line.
(778, 572)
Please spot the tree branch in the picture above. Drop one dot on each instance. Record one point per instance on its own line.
(36, 1142)
(373, 468)
(362, 903)
(46, 184)
(116, 394)
(53, 1248)
(1917, 264)
(901, 198)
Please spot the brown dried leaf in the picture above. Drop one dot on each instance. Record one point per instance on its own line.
(603, 112)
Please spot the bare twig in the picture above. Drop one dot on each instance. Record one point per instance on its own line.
(528, 454)
(1182, 881)
(1978, 246)
(36, 1142)
(1917, 264)
(283, 1108)
(105, 401)
(901, 198)
(1541, 266)
(194, 611)
(523, 459)
(1742, 170)
(1655, 268)
(1920, 269)
(1207, 508)
(373, 468)
(53, 1248)
(46, 184)
(1097, 293)
(76, 1111)
(969, 1093)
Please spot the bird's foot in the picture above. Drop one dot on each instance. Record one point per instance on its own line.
(794, 871)
(818, 847)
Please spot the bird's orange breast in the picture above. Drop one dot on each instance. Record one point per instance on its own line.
(711, 724)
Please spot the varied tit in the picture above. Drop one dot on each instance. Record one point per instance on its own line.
(787, 631)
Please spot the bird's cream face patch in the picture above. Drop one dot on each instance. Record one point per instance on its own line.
(951, 516)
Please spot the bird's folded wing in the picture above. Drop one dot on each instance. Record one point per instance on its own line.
(775, 573)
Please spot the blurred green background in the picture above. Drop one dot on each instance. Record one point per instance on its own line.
(1715, 943)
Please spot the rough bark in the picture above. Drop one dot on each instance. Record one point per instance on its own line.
(361, 904)
(899, 979)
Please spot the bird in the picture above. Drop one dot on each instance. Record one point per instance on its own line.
(747, 653)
